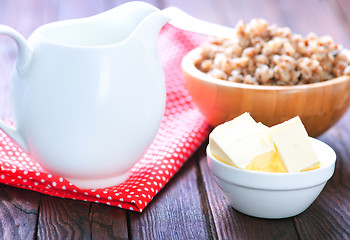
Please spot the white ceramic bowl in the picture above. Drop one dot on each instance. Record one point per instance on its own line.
(273, 195)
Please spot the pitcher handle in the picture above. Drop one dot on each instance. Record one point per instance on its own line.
(24, 58)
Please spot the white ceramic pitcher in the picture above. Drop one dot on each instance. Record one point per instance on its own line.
(88, 95)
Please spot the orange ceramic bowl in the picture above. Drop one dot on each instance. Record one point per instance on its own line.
(319, 105)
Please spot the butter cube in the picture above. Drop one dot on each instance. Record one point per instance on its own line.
(242, 143)
(293, 145)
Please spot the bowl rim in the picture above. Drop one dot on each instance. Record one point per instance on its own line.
(297, 180)
(188, 67)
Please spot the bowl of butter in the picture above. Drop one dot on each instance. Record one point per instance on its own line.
(269, 172)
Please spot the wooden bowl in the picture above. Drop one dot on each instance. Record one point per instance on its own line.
(319, 105)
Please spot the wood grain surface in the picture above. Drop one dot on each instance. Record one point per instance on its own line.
(191, 206)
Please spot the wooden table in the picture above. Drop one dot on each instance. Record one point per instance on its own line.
(190, 206)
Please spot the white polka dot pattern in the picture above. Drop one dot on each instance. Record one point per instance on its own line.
(182, 130)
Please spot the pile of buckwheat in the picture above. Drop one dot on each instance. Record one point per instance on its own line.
(264, 54)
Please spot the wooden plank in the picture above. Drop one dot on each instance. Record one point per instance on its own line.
(18, 213)
(108, 222)
(63, 219)
(177, 212)
(69, 219)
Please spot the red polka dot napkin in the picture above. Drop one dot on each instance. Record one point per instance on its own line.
(182, 130)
